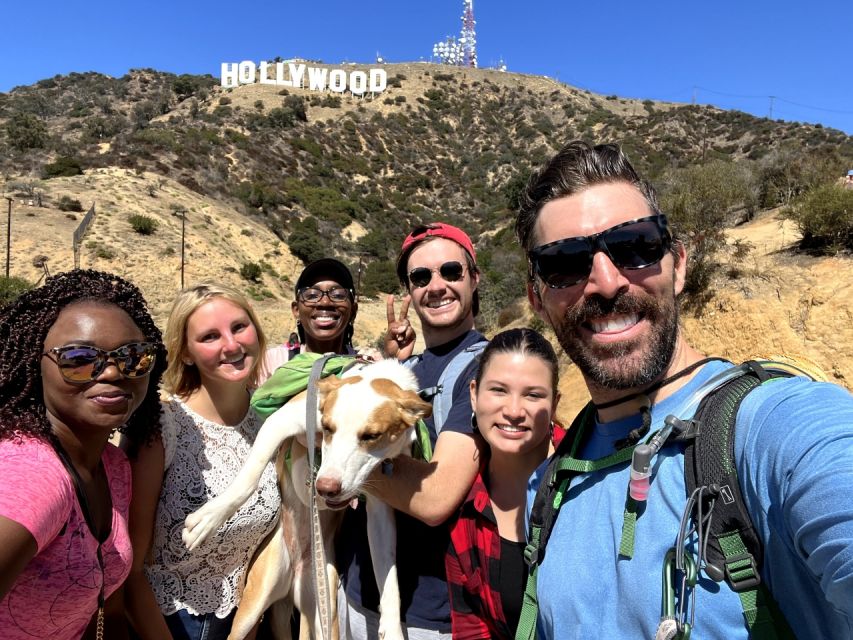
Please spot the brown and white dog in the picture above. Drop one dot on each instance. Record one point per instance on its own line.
(366, 416)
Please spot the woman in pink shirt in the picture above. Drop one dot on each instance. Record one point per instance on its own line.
(80, 357)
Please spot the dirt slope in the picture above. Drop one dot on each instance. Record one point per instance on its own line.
(780, 301)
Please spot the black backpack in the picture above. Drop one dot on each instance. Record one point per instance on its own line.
(734, 551)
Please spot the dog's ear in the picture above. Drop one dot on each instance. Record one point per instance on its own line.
(409, 403)
(412, 407)
(327, 385)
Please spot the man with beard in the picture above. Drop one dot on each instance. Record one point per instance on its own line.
(437, 265)
(605, 273)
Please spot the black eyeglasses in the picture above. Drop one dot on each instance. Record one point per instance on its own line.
(449, 271)
(631, 245)
(313, 295)
(80, 364)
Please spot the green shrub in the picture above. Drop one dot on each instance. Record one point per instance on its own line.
(11, 288)
(251, 271)
(66, 203)
(143, 224)
(376, 243)
(697, 200)
(824, 215)
(64, 166)
(305, 242)
(104, 252)
(26, 131)
(259, 195)
(333, 102)
(379, 277)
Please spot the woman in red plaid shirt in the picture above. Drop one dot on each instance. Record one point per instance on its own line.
(514, 397)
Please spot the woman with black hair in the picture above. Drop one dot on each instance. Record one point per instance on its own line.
(514, 398)
(324, 308)
(80, 358)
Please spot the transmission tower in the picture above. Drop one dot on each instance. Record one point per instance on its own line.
(468, 38)
(461, 52)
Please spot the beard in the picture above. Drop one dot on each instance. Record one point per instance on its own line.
(623, 365)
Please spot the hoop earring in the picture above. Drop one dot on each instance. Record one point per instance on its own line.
(474, 424)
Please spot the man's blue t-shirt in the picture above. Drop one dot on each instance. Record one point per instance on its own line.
(420, 548)
(794, 454)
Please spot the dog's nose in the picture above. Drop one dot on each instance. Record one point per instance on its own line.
(328, 487)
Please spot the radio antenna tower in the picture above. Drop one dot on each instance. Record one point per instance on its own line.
(468, 38)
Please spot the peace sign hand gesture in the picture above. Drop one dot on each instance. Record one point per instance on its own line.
(400, 336)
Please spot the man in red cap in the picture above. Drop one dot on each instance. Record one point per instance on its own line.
(437, 265)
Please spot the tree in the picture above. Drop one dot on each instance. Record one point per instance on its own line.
(304, 240)
(25, 131)
(380, 277)
(786, 174)
(375, 243)
(698, 200)
(513, 190)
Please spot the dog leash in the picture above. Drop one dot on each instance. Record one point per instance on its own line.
(318, 551)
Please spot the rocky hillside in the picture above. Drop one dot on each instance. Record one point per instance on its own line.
(270, 177)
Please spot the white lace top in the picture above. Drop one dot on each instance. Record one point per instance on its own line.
(202, 458)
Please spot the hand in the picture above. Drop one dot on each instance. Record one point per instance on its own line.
(400, 336)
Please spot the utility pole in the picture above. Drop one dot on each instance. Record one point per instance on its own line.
(361, 255)
(182, 214)
(770, 115)
(8, 234)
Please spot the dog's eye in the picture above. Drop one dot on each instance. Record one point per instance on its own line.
(369, 437)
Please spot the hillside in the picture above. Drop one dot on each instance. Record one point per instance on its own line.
(276, 176)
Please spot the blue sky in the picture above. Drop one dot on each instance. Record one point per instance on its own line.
(733, 54)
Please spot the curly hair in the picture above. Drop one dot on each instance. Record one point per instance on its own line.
(24, 324)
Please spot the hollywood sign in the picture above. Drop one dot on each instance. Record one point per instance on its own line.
(298, 75)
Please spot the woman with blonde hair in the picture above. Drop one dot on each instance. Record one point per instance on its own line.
(214, 347)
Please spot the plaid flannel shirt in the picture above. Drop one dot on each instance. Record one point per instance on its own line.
(476, 611)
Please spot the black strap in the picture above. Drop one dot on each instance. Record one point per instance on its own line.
(734, 550)
(100, 536)
(658, 385)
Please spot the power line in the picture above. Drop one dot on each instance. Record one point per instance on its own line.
(773, 98)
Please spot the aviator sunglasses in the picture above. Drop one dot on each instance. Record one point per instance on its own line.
(631, 245)
(450, 271)
(80, 364)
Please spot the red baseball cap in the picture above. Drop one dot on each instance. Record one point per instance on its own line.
(439, 230)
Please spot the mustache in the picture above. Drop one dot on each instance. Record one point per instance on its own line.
(597, 306)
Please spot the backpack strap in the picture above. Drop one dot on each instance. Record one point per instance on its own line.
(443, 399)
(564, 465)
(734, 551)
